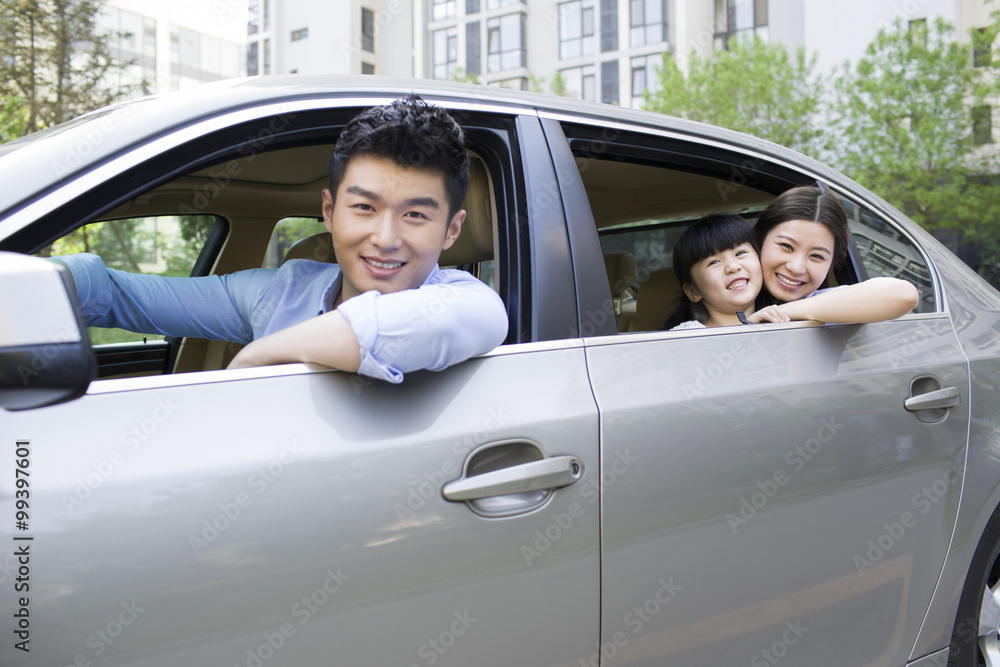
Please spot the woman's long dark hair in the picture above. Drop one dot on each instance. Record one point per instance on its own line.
(806, 202)
(708, 236)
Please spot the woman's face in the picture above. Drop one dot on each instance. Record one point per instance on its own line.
(795, 258)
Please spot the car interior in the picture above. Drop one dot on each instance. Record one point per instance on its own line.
(640, 209)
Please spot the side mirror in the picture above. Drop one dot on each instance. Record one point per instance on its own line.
(45, 352)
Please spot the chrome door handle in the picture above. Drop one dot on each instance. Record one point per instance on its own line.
(939, 399)
(547, 474)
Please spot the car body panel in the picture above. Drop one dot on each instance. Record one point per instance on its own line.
(193, 518)
(802, 469)
(216, 519)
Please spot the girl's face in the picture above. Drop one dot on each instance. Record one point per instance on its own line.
(795, 258)
(726, 282)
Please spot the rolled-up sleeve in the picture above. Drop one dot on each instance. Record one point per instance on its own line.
(450, 318)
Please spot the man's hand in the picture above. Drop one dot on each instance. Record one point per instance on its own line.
(327, 340)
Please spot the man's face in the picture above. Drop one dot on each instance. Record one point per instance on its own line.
(389, 225)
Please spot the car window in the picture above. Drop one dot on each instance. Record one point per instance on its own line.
(285, 235)
(168, 245)
(886, 251)
(643, 195)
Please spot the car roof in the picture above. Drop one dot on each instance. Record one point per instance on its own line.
(35, 164)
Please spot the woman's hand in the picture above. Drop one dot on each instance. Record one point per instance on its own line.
(769, 314)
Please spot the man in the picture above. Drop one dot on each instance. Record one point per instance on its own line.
(398, 176)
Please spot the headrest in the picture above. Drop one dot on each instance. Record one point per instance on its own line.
(623, 272)
(474, 243)
(658, 297)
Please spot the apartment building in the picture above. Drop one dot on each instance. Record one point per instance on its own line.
(343, 37)
(178, 44)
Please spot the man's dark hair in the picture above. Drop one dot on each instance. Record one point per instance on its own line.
(413, 134)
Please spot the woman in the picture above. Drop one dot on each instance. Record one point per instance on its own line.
(803, 233)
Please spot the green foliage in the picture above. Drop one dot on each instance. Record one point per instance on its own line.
(287, 232)
(558, 85)
(13, 119)
(127, 244)
(55, 59)
(904, 130)
(462, 76)
(754, 87)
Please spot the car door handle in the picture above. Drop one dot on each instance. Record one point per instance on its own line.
(940, 399)
(552, 473)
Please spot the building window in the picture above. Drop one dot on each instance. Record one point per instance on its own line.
(302, 33)
(739, 18)
(367, 30)
(497, 4)
(576, 29)
(252, 69)
(581, 82)
(982, 124)
(267, 56)
(471, 6)
(982, 49)
(443, 9)
(267, 15)
(445, 52)
(609, 82)
(609, 25)
(648, 22)
(253, 17)
(473, 49)
(918, 32)
(505, 42)
(367, 68)
(644, 77)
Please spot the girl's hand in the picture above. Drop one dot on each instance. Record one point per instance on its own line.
(769, 314)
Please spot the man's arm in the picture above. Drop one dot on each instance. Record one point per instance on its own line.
(206, 307)
(327, 340)
(451, 318)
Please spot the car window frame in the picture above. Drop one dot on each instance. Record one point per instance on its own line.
(772, 173)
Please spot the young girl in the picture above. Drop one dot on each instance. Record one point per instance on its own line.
(717, 266)
(800, 235)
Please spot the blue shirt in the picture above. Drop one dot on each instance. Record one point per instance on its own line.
(451, 317)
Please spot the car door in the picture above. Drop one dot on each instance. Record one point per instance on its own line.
(768, 492)
(294, 516)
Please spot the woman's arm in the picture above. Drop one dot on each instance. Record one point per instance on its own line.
(874, 300)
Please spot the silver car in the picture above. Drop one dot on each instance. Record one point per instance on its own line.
(595, 491)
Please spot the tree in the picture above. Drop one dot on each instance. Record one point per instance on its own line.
(56, 59)
(754, 87)
(905, 117)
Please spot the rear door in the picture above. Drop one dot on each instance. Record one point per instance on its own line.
(766, 495)
(290, 516)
